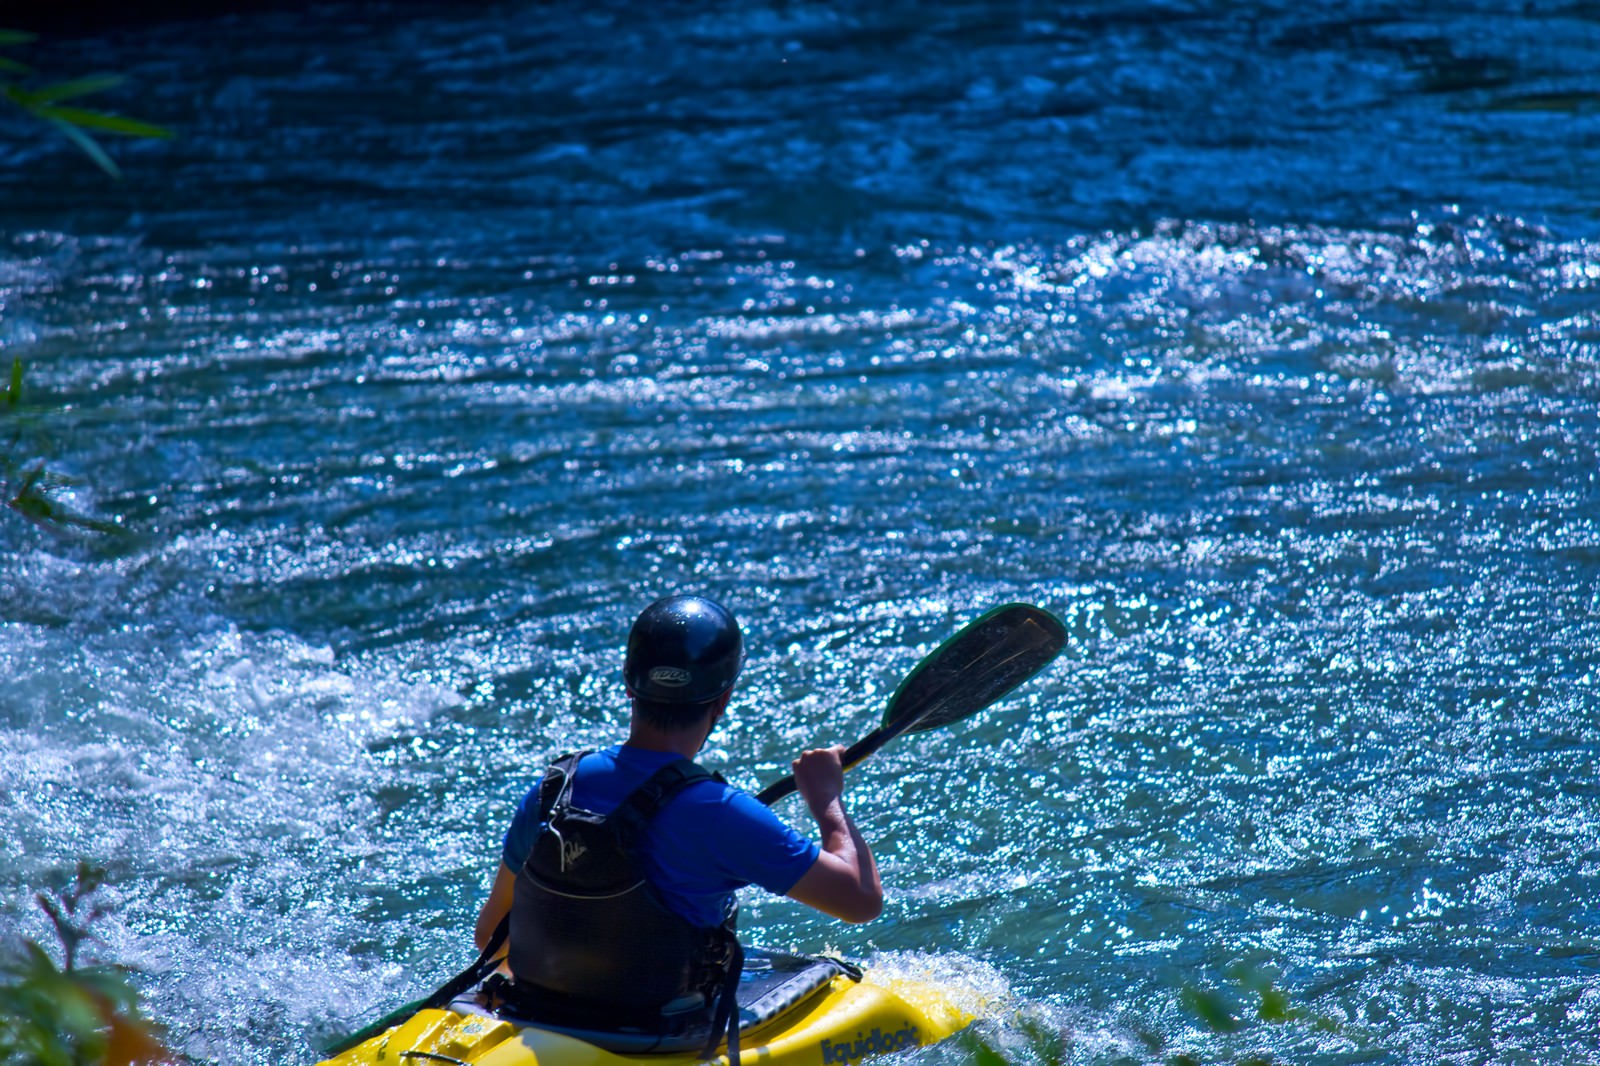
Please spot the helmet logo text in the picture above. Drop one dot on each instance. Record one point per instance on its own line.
(670, 676)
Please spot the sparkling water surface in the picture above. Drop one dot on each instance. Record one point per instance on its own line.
(1260, 342)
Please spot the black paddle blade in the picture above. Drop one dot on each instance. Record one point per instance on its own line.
(991, 656)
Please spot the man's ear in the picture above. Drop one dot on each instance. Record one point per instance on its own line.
(720, 707)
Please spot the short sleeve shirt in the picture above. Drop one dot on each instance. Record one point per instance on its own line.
(709, 841)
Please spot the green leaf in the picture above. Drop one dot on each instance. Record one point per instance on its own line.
(15, 37)
(31, 479)
(1211, 1009)
(111, 984)
(1045, 1041)
(14, 393)
(979, 1050)
(93, 525)
(90, 877)
(12, 66)
(90, 148)
(71, 90)
(36, 508)
(99, 120)
(40, 962)
(1275, 1006)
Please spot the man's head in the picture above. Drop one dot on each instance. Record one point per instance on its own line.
(684, 654)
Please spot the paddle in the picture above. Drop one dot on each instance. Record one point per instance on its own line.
(989, 657)
(481, 967)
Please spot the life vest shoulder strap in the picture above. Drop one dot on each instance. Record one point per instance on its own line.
(557, 779)
(646, 801)
(639, 806)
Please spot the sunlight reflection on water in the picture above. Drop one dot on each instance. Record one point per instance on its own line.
(1313, 495)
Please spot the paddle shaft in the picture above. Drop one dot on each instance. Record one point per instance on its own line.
(853, 755)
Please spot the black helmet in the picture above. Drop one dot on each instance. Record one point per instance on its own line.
(683, 649)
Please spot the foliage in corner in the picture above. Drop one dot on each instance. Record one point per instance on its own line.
(1224, 1011)
(1031, 1038)
(57, 104)
(71, 1015)
(27, 486)
(1028, 1039)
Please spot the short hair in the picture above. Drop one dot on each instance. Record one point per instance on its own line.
(672, 716)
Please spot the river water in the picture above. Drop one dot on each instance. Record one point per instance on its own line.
(1259, 341)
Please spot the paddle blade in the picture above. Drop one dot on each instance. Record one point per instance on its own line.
(991, 656)
(988, 658)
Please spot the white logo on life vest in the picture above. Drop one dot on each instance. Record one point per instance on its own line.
(670, 676)
(571, 852)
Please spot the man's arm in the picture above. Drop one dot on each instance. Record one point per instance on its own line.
(495, 907)
(843, 881)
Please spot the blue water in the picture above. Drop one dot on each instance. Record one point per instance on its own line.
(1261, 342)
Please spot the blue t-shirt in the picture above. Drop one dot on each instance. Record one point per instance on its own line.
(709, 841)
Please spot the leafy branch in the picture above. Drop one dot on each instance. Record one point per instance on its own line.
(71, 1015)
(55, 104)
(28, 486)
(1033, 1038)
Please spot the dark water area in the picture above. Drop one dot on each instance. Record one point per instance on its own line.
(1259, 342)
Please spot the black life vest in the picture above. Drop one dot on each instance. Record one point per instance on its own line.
(590, 940)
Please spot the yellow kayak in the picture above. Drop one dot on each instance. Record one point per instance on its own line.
(794, 1011)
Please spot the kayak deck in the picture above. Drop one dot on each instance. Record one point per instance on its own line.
(840, 1023)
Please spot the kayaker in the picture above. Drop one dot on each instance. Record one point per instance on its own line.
(665, 944)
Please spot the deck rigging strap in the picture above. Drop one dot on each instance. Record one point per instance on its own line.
(481, 967)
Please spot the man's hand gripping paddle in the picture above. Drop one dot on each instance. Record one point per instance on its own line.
(988, 658)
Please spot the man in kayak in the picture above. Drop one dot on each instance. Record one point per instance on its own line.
(620, 869)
